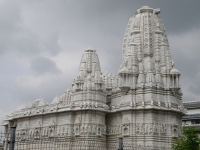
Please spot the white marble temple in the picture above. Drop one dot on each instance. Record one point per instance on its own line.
(142, 104)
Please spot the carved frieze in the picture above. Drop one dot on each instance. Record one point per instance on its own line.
(63, 130)
(151, 128)
(114, 130)
(89, 129)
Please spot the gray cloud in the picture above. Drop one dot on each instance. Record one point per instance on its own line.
(44, 65)
(18, 35)
(28, 88)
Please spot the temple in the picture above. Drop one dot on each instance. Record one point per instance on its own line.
(142, 104)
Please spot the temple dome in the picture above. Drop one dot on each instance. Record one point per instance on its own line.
(174, 71)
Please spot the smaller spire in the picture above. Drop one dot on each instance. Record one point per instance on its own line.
(89, 77)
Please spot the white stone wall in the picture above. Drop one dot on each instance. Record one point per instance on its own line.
(151, 125)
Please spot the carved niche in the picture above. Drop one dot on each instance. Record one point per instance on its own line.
(126, 127)
(98, 131)
(99, 127)
(77, 126)
(24, 132)
(175, 130)
(51, 131)
(36, 134)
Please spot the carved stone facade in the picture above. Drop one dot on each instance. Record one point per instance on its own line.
(143, 104)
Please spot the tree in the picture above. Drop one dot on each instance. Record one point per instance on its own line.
(188, 141)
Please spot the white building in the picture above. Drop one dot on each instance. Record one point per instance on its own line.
(192, 117)
(142, 104)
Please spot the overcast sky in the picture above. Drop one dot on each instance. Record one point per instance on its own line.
(42, 41)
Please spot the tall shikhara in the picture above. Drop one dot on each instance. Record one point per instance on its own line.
(143, 104)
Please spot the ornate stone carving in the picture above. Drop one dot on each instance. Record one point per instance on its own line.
(62, 130)
(151, 128)
(126, 130)
(176, 130)
(113, 130)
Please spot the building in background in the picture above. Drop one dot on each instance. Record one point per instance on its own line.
(192, 118)
(142, 104)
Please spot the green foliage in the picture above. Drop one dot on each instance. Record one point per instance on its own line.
(188, 141)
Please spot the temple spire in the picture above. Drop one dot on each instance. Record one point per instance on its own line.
(146, 45)
(89, 77)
